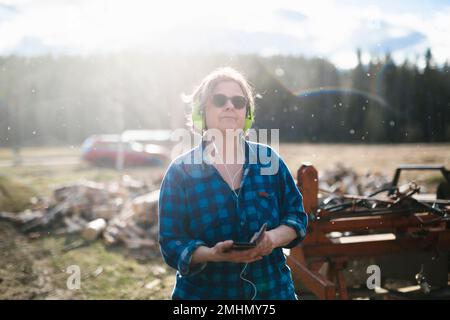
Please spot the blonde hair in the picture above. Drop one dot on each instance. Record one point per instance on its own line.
(206, 87)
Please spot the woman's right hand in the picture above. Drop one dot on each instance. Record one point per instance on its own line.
(222, 252)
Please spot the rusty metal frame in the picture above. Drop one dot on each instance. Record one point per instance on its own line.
(420, 231)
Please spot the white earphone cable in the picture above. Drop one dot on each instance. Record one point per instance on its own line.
(237, 199)
(254, 286)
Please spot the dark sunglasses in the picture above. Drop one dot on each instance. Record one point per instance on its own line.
(220, 100)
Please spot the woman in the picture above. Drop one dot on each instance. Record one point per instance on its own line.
(209, 200)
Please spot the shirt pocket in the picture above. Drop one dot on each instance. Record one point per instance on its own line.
(267, 209)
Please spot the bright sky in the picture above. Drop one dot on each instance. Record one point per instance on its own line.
(331, 29)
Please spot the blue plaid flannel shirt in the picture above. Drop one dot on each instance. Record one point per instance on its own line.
(197, 207)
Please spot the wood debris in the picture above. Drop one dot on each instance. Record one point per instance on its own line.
(120, 213)
(343, 180)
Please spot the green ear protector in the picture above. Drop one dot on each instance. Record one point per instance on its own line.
(199, 123)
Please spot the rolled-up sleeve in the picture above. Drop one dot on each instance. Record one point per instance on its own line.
(292, 212)
(175, 244)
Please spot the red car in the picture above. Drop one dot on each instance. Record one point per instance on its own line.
(102, 150)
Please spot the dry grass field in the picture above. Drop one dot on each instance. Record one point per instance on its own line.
(36, 268)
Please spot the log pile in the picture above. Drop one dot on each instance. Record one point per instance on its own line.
(341, 180)
(124, 212)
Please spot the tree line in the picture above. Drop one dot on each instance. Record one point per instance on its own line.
(60, 100)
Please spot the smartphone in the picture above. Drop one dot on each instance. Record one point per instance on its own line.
(243, 245)
(253, 241)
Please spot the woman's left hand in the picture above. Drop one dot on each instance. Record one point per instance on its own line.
(265, 245)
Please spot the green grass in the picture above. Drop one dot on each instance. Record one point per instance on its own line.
(7, 154)
(46, 178)
(14, 196)
(435, 179)
(121, 277)
(36, 269)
